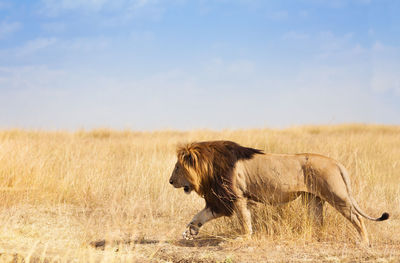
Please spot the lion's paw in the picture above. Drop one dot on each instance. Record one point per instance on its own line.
(190, 232)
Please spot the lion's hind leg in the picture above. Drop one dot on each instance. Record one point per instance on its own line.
(345, 207)
(315, 207)
(357, 222)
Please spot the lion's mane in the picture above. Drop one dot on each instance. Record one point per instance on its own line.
(209, 169)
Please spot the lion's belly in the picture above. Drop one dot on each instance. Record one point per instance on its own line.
(271, 178)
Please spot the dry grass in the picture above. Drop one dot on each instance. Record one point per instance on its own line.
(61, 191)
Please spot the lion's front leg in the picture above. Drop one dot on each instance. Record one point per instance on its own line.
(198, 221)
(244, 216)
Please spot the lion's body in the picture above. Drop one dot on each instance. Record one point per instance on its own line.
(275, 179)
(228, 176)
(270, 179)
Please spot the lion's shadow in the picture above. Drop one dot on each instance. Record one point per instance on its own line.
(206, 241)
(102, 243)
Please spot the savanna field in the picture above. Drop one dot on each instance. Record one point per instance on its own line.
(104, 196)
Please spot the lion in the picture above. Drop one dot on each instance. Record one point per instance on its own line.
(231, 177)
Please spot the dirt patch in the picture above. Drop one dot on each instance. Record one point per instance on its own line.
(214, 249)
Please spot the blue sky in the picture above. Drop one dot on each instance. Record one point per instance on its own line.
(180, 64)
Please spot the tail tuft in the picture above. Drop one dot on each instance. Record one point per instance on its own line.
(383, 217)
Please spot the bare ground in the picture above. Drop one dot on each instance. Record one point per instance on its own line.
(46, 235)
(211, 250)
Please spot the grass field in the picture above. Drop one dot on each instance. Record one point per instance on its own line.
(104, 196)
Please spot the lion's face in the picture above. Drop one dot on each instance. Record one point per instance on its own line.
(178, 178)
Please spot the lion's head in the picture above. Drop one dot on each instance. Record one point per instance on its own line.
(179, 178)
(207, 168)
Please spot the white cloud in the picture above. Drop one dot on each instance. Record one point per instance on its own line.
(338, 3)
(85, 44)
(386, 80)
(4, 5)
(294, 35)
(330, 47)
(378, 64)
(54, 27)
(326, 46)
(227, 74)
(371, 32)
(241, 67)
(56, 7)
(29, 77)
(51, 45)
(278, 15)
(351, 84)
(385, 68)
(109, 13)
(303, 13)
(8, 28)
(323, 41)
(364, 1)
(219, 94)
(331, 42)
(39, 97)
(378, 46)
(358, 49)
(32, 46)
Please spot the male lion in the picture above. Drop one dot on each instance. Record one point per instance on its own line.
(229, 176)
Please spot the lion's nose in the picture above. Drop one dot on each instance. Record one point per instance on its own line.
(170, 181)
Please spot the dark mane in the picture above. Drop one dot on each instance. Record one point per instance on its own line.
(212, 164)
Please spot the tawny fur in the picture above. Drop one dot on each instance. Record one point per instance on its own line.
(228, 176)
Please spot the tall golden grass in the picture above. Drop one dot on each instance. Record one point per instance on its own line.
(59, 191)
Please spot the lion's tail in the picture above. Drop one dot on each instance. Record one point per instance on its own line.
(346, 180)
